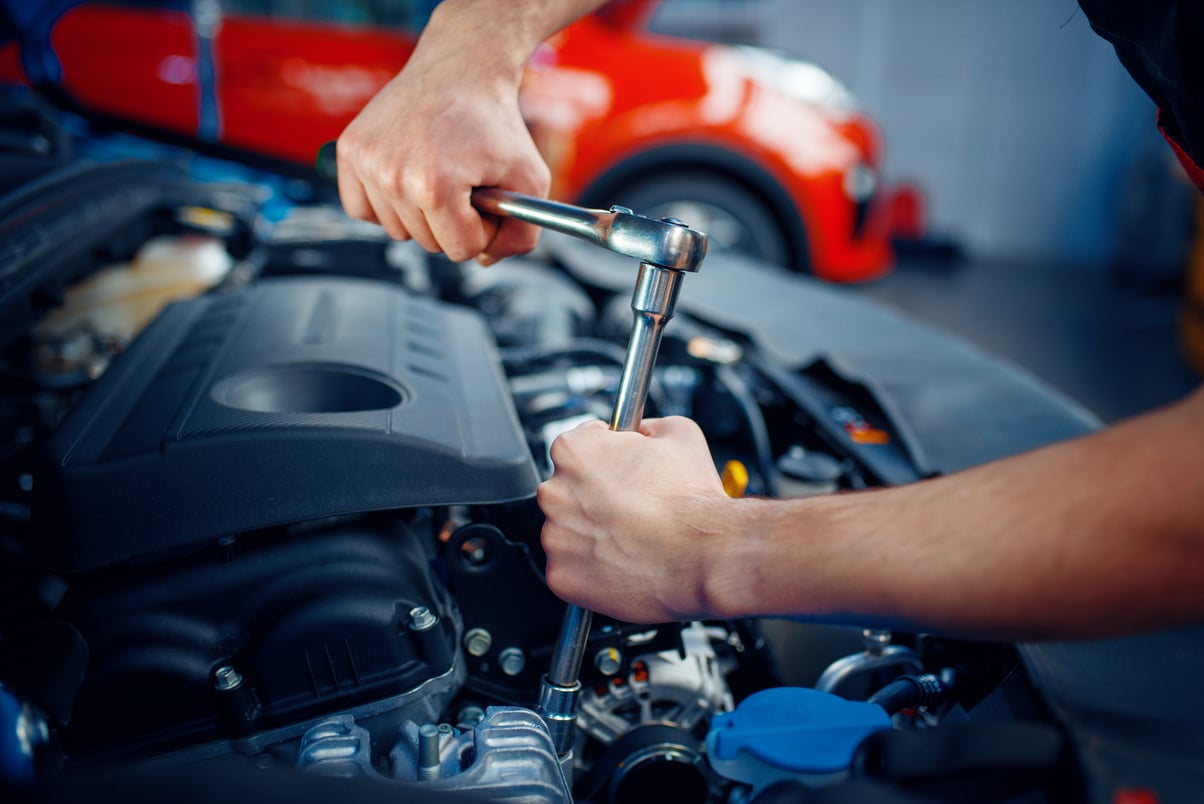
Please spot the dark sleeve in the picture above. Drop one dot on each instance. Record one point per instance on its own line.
(1161, 44)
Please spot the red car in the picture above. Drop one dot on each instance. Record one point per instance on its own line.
(768, 155)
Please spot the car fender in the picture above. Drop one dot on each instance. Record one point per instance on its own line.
(663, 158)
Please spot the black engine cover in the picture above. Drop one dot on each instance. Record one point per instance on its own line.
(312, 620)
(293, 400)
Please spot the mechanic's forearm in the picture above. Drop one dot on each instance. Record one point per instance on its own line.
(1100, 535)
(500, 36)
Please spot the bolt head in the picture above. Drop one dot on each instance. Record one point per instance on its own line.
(478, 641)
(475, 551)
(470, 716)
(876, 640)
(608, 661)
(422, 619)
(226, 678)
(512, 661)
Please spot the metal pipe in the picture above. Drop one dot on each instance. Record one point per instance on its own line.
(652, 306)
(569, 652)
(879, 654)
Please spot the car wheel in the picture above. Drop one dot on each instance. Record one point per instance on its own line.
(733, 216)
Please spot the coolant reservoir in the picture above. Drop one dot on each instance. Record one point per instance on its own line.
(119, 300)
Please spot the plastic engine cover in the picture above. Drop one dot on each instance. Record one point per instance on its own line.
(292, 400)
(313, 622)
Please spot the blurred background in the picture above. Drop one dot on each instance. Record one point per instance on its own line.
(1059, 223)
(988, 166)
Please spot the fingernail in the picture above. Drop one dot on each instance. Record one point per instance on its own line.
(485, 260)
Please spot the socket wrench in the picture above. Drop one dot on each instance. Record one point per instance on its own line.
(666, 249)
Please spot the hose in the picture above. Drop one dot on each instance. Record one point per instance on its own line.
(910, 692)
(735, 385)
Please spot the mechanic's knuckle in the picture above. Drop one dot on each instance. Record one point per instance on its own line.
(346, 149)
(542, 178)
(459, 252)
(561, 449)
(425, 190)
(390, 176)
(547, 495)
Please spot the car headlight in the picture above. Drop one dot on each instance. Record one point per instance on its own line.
(860, 182)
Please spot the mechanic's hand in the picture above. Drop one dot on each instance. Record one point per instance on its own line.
(446, 124)
(632, 520)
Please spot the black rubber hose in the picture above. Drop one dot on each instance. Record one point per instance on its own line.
(910, 692)
(742, 394)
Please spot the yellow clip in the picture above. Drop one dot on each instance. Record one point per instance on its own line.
(211, 220)
(735, 479)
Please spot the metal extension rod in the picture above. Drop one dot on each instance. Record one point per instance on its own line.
(666, 250)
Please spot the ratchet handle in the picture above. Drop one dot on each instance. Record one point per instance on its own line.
(588, 224)
(667, 243)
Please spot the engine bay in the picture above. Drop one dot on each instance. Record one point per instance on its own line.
(269, 511)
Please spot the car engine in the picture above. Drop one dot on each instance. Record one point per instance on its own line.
(269, 506)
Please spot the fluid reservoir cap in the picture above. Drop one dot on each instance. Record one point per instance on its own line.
(810, 467)
(791, 729)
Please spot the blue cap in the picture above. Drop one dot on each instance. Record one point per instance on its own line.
(796, 729)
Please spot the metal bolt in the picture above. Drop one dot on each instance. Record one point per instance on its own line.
(608, 661)
(876, 640)
(478, 641)
(512, 661)
(428, 752)
(226, 678)
(475, 551)
(618, 210)
(469, 716)
(421, 619)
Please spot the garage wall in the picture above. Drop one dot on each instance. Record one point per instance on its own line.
(1018, 121)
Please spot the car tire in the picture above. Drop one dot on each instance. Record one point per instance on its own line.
(732, 215)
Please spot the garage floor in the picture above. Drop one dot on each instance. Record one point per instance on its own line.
(1111, 347)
